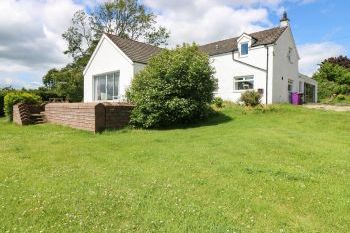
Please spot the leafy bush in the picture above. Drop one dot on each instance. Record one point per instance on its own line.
(332, 80)
(45, 95)
(251, 98)
(340, 98)
(176, 87)
(2, 96)
(14, 98)
(218, 102)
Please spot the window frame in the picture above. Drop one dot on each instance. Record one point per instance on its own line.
(241, 46)
(116, 75)
(244, 78)
(290, 84)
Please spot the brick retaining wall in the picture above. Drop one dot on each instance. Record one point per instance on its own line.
(22, 113)
(94, 117)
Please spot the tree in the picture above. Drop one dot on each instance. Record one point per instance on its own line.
(79, 35)
(343, 61)
(175, 87)
(124, 18)
(332, 79)
(68, 82)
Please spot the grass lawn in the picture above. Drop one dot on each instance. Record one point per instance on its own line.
(286, 170)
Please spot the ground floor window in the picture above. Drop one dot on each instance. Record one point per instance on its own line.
(106, 86)
(243, 83)
(290, 85)
(309, 93)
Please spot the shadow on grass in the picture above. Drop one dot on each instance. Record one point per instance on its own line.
(216, 118)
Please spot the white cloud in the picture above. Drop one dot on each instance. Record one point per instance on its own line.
(313, 54)
(206, 20)
(30, 37)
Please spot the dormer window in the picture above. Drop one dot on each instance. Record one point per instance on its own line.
(244, 49)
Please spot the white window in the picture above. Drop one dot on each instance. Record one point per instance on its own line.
(243, 83)
(244, 49)
(106, 86)
(290, 85)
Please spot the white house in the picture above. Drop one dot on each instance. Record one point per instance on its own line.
(266, 61)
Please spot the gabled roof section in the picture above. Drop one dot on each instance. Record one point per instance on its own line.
(137, 51)
(265, 37)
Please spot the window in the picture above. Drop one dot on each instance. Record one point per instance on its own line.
(301, 87)
(290, 55)
(244, 49)
(290, 85)
(106, 86)
(244, 83)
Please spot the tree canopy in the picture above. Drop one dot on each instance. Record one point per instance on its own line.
(333, 77)
(124, 18)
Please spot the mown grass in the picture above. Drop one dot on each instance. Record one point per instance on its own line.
(285, 170)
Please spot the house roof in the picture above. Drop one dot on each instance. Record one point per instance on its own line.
(265, 37)
(141, 53)
(137, 51)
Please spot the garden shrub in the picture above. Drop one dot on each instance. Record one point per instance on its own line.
(340, 98)
(2, 96)
(14, 98)
(251, 98)
(176, 87)
(332, 80)
(218, 102)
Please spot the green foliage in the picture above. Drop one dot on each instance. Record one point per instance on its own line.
(3, 92)
(175, 87)
(332, 80)
(218, 102)
(337, 99)
(67, 82)
(343, 61)
(124, 18)
(14, 98)
(251, 98)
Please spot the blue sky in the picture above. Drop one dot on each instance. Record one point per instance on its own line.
(27, 53)
(322, 20)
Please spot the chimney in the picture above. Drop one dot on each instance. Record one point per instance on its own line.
(284, 22)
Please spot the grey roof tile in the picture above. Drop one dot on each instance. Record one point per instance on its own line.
(141, 53)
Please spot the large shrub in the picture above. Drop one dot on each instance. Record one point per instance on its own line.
(251, 98)
(13, 98)
(332, 80)
(175, 87)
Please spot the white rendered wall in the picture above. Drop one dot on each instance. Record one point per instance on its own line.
(226, 69)
(108, 58)
(283, 68)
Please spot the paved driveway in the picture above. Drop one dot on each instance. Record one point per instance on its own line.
(336, 108)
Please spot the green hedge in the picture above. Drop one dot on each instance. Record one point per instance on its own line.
(14, 98)
(2, 96)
